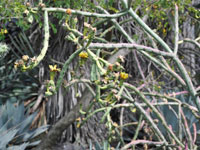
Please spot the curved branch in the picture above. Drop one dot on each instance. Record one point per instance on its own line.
(46, 42)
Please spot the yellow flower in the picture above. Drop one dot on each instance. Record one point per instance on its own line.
(123, 75)
(33, 59)
(78, 125)
(134, 110)
(25, 58)
(16, 65)
(87, 25)
(54, 68)
(121, 58)
(83, 55)
(78, 119)
(5, 31)
(164, 30)
(21, 62)
(115, 124)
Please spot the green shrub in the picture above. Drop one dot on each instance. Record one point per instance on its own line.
(15, 123)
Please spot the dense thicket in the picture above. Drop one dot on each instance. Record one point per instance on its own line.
(103, 74)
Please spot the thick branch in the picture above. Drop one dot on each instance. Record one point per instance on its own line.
(131, 45)
(46, 42)
(50, 140)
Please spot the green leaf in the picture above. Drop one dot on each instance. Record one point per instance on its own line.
(15, 125)
(6, 138)
(53, 28)
(20, 147)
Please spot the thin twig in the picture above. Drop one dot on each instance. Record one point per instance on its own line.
(135, 142)
(194, 132)
(187, 129)
(137, 130)
(191, 41)
(147, 116)
(160, 117)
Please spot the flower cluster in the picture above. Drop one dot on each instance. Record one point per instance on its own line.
(53, 71)
(50, 85)
(89, 26)
(51, 88)
(3, 31)
(24, 63)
